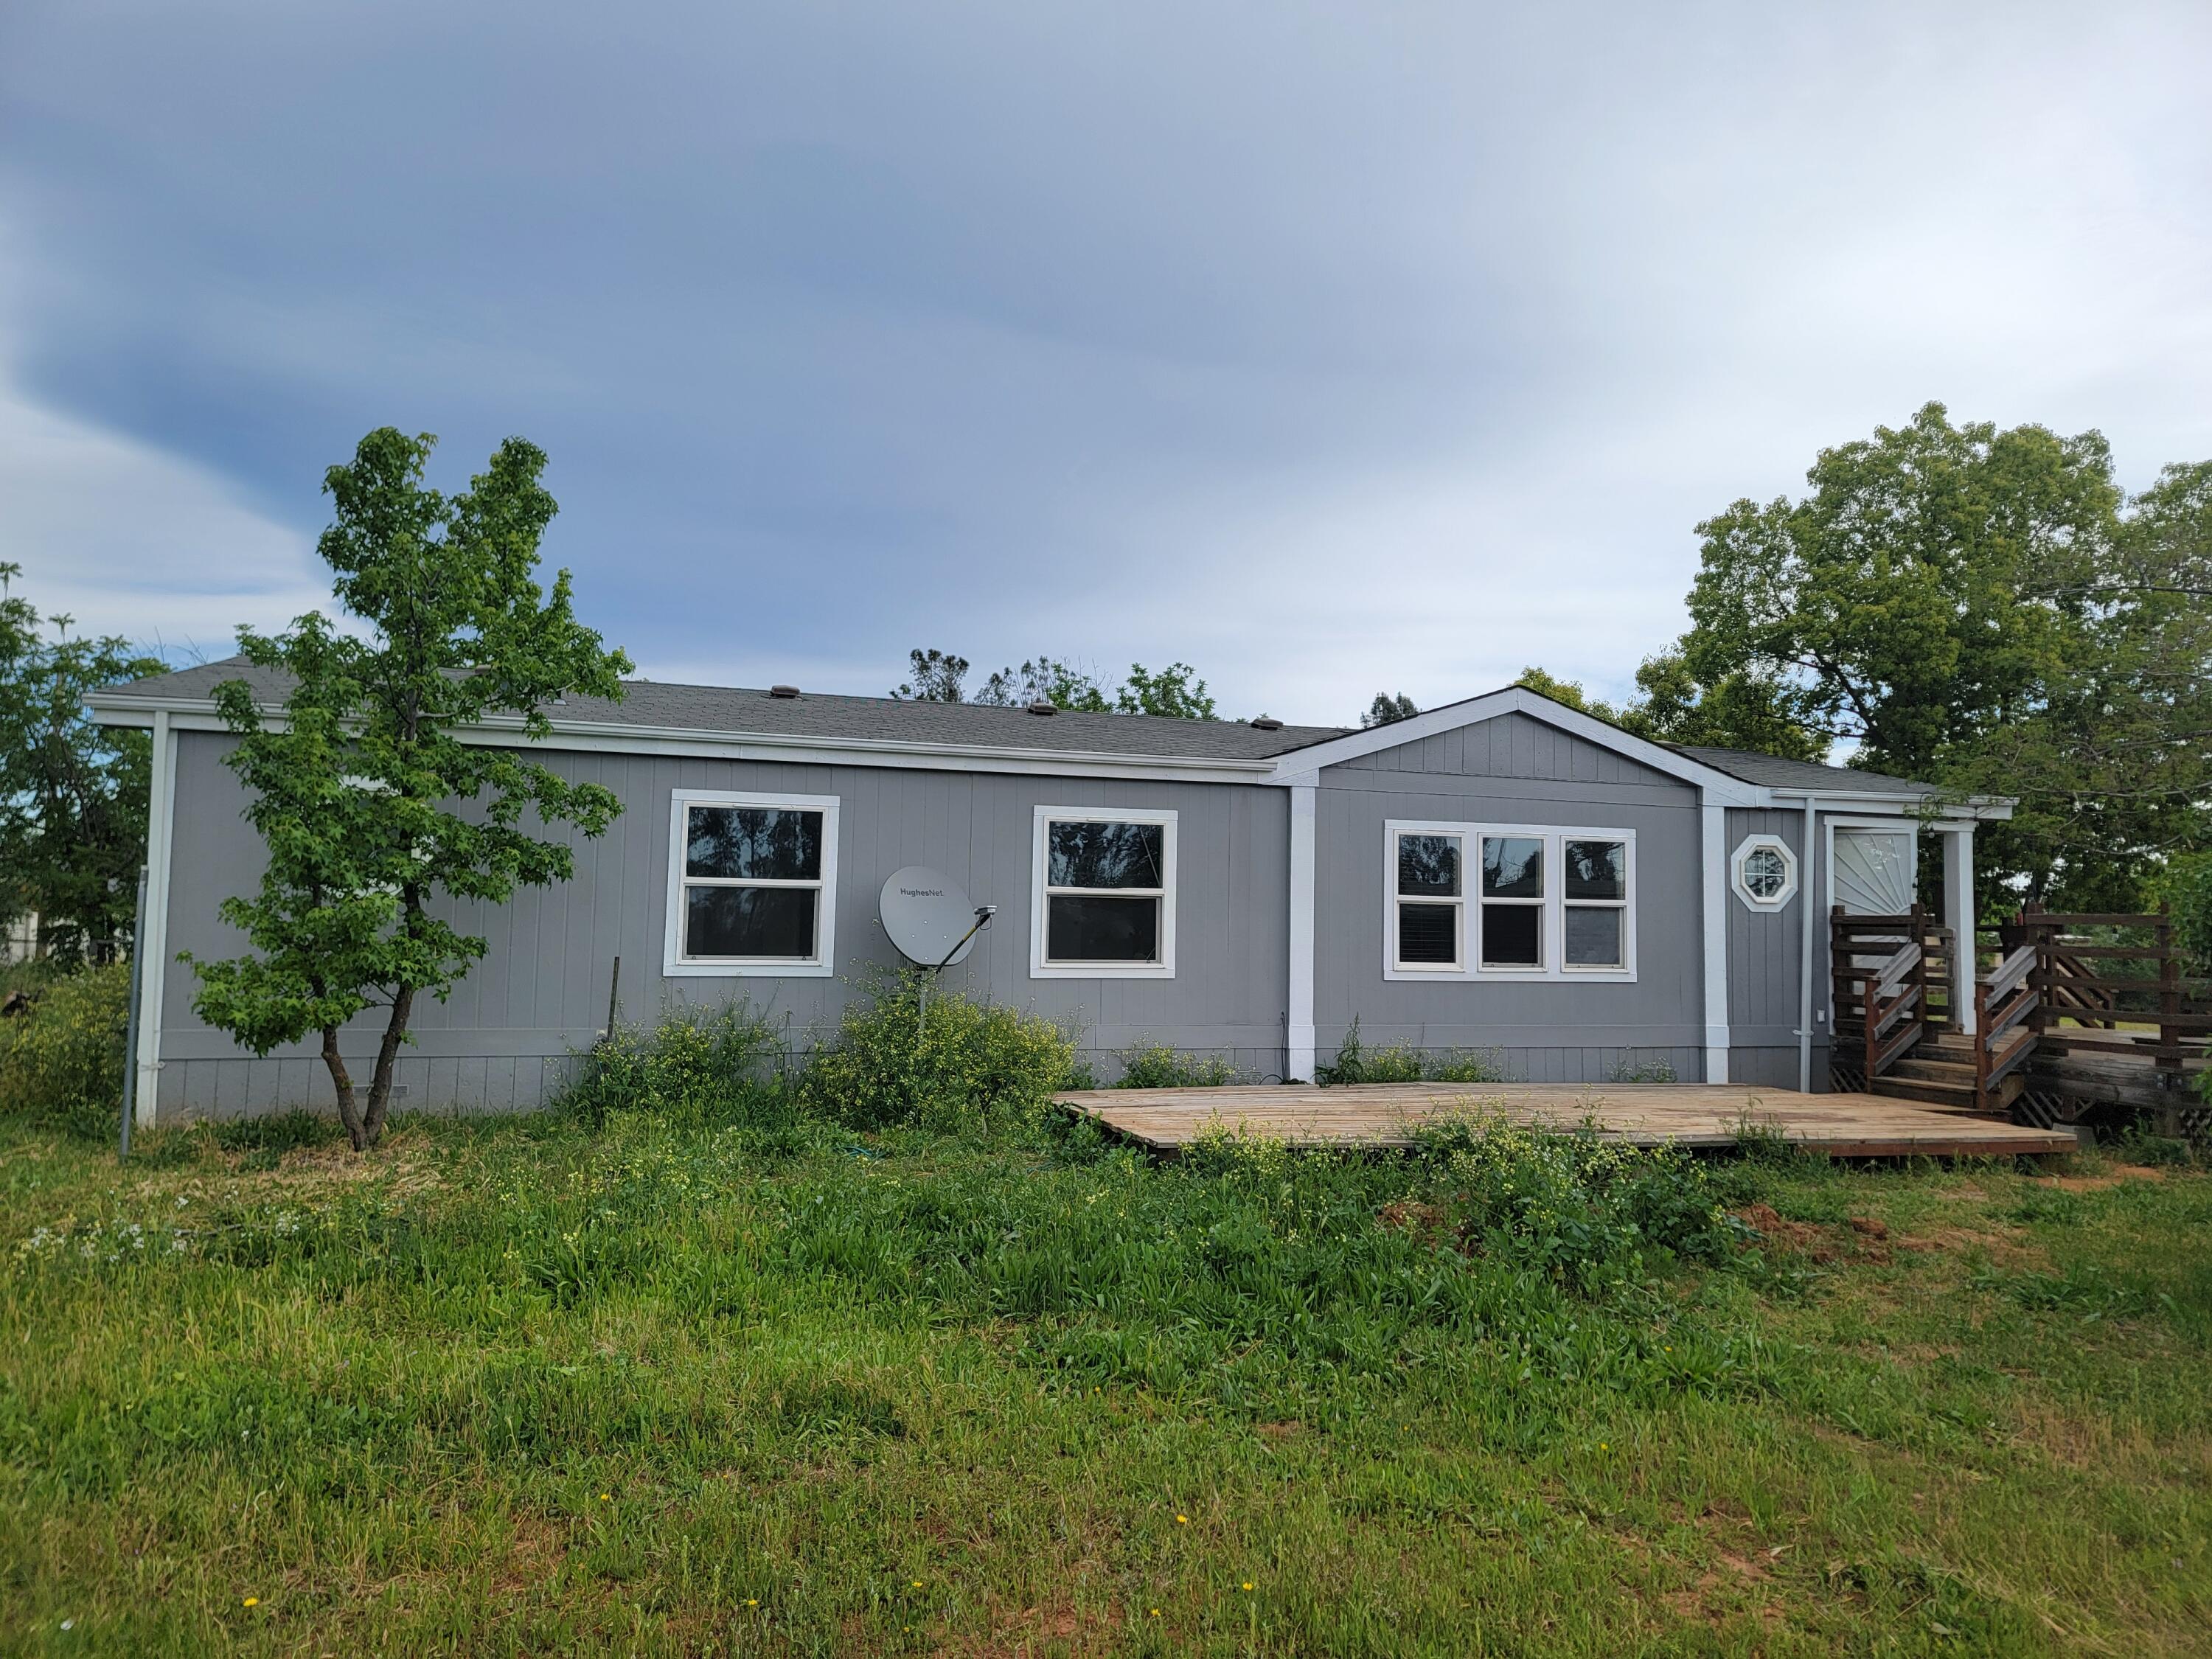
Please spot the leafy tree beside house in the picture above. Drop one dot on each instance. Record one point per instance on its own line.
(1985, 609)
(72, 793)
(376, 816)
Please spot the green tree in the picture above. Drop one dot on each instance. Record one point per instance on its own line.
(377, 816)
(941, 677)
(72, 793)
(1176, 690)
(1983, 610)
(2186, 888)
(1739, 710)
(1907, 604)
(2114, 770)
(1389, 710)
(1568, 692)
(1047, 679)
(938, 676)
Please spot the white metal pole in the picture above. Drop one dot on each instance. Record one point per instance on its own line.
(130, 1021)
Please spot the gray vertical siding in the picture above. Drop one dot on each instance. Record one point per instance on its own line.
(504, 1036)
(1765, 960)
(1513, 769)
(1764, 951)
(507, 1034)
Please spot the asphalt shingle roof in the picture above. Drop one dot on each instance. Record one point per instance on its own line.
(736, 710)
(739, 710)
(1774, 772)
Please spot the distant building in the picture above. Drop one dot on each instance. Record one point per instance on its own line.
(19, 942)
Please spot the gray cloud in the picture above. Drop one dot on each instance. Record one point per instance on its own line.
(1328, 348)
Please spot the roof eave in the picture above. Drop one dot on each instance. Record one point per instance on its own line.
(189, 714)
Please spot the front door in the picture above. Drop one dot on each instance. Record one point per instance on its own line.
(1872, 871)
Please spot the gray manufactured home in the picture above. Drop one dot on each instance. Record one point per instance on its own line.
(1506, 873)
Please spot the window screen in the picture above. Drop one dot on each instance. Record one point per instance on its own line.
(1430, 901)
(1105, 891)
(752, 883)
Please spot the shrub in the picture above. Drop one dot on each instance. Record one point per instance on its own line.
(61, 1062)
(1574, 1207)
(966, 1063)
(1355, 1063)
(722, 1065)
(1158, 1067)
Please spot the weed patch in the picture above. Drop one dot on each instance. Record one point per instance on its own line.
(1395, 1063)
(61, 1054)
(1158, 1068)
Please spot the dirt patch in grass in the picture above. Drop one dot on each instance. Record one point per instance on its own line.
(1864, 1238)
(534, 1556)
(2097, 1184)
(2002, 1245)
(1424, 1221)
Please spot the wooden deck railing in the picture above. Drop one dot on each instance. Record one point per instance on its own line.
(2006, 1003)
(2124, 1017)
(1860, 945)
(1880, 969)
(2104, 993)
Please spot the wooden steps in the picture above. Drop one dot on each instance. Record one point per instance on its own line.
(1941, 1073)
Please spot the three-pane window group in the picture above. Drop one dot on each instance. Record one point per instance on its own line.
(1502, 923)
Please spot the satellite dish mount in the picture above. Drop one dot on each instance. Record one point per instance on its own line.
(927, 915)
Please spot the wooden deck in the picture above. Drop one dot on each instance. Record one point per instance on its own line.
(1681, 1114)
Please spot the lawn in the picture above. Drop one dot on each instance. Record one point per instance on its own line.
(533, 1386)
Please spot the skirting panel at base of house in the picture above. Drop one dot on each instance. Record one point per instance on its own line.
(247, 1087)
(1770, 1068)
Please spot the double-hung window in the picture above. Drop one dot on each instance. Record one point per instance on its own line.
(1594, 904)
(752, 883)
(1513, 901)
(1102, 893)
(1428, 914)
(1508, 900)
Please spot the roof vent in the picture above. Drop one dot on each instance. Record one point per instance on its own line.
(783, 690)
(1267, 723)
(1041, 706)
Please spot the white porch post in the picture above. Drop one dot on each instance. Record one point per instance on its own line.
(1959, 917)
(1714, 825)
(154, 941)
(1298, 1061)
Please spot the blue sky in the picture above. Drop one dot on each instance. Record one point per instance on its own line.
(1331, 348)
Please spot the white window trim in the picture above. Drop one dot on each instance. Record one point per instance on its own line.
(1393, 968)
(1164, 967)
(824, 963)
(1555, 925)
(1742, 856)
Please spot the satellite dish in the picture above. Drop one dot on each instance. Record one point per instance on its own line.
(927, 915)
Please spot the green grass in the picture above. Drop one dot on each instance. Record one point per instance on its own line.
(533, 1386)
